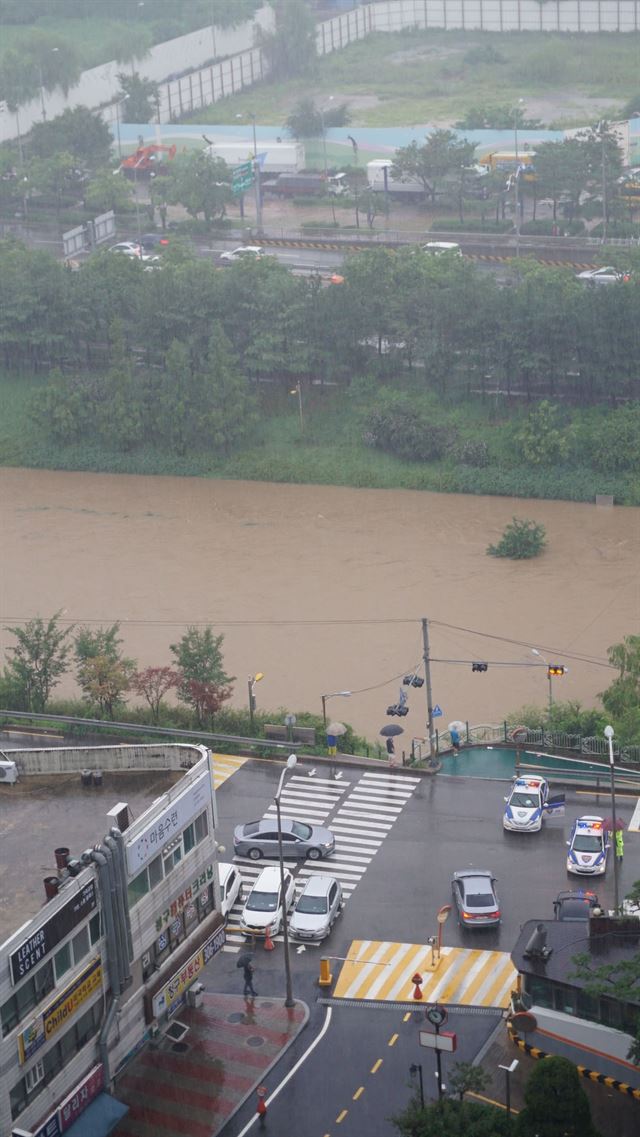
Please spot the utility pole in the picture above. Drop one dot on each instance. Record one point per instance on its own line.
(427, 675)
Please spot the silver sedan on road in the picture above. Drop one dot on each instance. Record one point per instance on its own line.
(259, 839)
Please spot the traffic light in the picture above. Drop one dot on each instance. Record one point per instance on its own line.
(554, 669)
(479, 666)
(413, 681)
(398, 709)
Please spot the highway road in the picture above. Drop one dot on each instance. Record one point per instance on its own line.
(399, 839)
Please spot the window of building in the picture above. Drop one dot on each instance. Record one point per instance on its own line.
(80, 944)
(94, 928)
(155, 872)
(138, 887)
(539, 990)
(28, 995)
(189, 838)
(202, 827)
(62, 961)
(42, 1072)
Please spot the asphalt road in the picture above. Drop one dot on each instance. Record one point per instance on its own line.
(358, 1055)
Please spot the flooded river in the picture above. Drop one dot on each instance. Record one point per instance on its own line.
(322, 588)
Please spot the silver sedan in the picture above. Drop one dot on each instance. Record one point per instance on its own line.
(475, 898)
(259, 839)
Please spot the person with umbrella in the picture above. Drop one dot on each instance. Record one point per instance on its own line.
(245, 961)
(389, 732)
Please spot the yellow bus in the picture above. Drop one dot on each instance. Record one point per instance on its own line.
(506, 162)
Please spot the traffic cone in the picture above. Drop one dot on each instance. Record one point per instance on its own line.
(262, 1105)
(268, 942)
(417, 984)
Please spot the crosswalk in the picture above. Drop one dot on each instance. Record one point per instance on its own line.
(224, 765)
(359, 811)
(380, 970)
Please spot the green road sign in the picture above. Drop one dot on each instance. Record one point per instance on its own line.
(242, 177)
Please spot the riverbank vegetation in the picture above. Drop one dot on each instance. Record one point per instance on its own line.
(416, 372)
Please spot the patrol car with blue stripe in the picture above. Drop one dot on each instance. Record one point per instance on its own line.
(588, 846)
(527, 804)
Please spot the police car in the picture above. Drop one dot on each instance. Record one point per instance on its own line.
(588, 847)
(527, 803)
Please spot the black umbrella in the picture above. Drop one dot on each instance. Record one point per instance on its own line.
(244, 959)
(391, 730)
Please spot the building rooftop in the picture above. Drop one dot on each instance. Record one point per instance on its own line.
(44, 812)
(607, 940)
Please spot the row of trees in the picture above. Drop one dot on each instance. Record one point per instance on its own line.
(45, 651)
(398, 312)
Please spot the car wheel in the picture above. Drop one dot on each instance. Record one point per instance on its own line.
(314, 854)
(255, 854)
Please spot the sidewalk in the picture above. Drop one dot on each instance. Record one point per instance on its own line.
(189, 1083)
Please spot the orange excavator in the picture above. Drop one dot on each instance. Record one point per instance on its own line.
(147, 160)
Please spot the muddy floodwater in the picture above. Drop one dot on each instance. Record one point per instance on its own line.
(322, 588)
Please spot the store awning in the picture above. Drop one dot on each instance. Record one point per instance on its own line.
(99, 1119)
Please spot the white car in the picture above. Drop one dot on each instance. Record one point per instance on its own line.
(317, 908)
(230, 887)
(604, 275)
(265, 906)
(127, 248)
(528, 802)
(244, 252)
(588, 846)
(442, 248)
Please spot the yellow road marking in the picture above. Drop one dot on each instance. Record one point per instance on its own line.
(376, 1066)
(358, 1092)
(392, 1041)
(341, 1116)
(225, 766)
(405, 1018)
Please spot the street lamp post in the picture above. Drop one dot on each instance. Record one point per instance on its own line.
(324, 135)
(253, 679)
(608, 733)
(602, 131)
(509, 1070)
(118, 105)
(289, 1000)
(256, 171)
(516, 111)
(416, 1068)
(333, 695)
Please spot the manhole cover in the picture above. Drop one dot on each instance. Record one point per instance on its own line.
(255, 1040)
(236, 1017)
(180, 1047)
(176, 1031)
(264, 1003)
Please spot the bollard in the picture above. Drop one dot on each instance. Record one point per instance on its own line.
(268, 942)
(417, 984)
(262, 1105)
(326, 978)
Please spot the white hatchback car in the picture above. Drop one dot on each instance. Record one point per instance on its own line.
(243, 253)
(230, 887)
(317, 908)
(265, 906)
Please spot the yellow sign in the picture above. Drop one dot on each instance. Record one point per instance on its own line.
(65, 1006)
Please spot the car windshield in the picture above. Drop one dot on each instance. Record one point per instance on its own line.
(263, 901)
(299, 829)
(479, 900)
(312, 905)
(587, 843)
(524, 800)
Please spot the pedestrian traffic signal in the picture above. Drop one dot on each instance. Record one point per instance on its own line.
(479, 666)
(554, 669)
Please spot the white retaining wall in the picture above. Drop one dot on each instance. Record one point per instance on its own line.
(58, 760)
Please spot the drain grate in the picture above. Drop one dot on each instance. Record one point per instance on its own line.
(180, 1047)
(176, 1031)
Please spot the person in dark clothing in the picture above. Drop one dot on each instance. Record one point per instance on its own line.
(247, 971)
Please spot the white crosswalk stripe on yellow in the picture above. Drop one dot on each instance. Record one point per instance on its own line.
(224, 766)
(378, 969)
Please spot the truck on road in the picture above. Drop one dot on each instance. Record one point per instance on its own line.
(273, 157)
(303, 185)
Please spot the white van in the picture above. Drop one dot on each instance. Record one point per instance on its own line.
(442, 248)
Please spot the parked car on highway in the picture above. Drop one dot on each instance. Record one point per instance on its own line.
(317, 908)
(604, 275)
(244, 252)
(442, 248)
(259, 839)
(588, 846)
(127, 248)
(528, 802)
(266, 904)
(572, 907)
(475, 898)
(230, 887)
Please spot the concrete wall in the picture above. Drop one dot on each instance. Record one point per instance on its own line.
(99, 86)
(59, 760)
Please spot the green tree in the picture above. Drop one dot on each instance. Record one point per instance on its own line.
(130, 43)
(55, 179)
(543, 439)
(80, 132)
(562, 170)
(452, 1119)
(465, 1078)
(556, 1104)
(200, 183)
(615, 442)
(290, 49)
(104, 191)
(141, 97)
(103, 673)
(226, 411)
(204, 683)
(520, 541)
(442, 154)
(621, 700)
(39, 659)
(90, 643)
(305, 120)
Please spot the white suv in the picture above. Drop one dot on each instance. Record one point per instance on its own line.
(264, 905)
